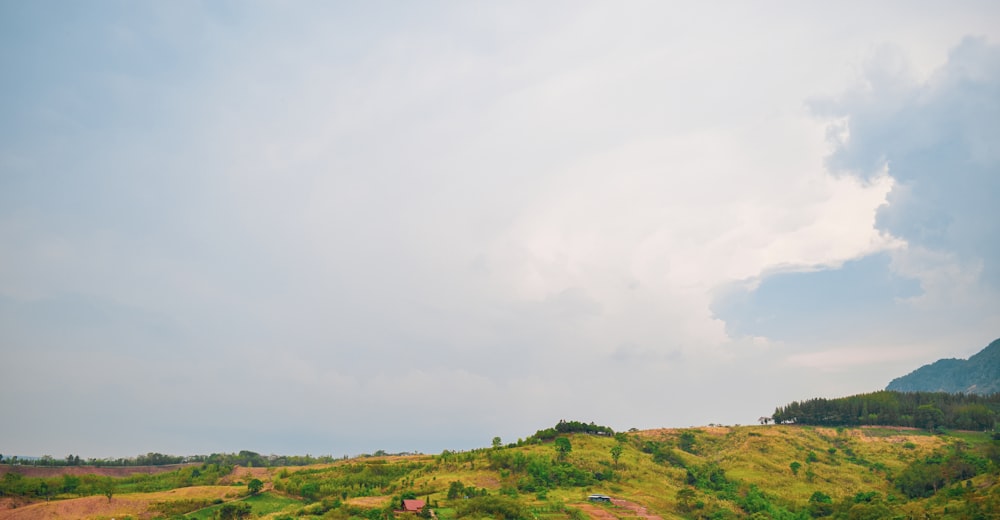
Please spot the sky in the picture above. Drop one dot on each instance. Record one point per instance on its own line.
(331, 228)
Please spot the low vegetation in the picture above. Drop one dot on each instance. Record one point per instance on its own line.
(771, 471)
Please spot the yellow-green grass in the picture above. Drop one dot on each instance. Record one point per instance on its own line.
(846, 461)
(264, 505)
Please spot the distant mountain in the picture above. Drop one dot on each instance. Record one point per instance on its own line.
(980, 374)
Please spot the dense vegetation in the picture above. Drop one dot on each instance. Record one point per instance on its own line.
(918, 410)
(562, 427)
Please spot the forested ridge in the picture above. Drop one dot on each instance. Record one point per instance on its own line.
(980, 374)
(930, 410)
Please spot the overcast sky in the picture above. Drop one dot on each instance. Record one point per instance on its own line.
(333, 228)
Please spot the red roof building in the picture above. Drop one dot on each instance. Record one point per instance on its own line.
(412, 506)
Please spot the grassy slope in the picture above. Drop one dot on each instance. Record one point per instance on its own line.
(848, 461)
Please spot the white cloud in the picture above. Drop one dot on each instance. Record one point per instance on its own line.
(499, 219)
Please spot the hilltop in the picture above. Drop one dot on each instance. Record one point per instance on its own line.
(769, 471)
(980, 374)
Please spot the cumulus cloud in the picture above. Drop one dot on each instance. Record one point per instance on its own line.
(936, 138)
(933, 137)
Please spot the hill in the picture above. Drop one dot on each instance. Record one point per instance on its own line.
(776, 471)
(980, 374)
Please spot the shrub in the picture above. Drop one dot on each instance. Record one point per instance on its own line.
(499, 507)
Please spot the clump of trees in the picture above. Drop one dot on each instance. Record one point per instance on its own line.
(711, 479)
(564, 427)
(930, 410)
(662, 453)
(493, 506)
(927, 476)
(360, 479)
(234, 511)
(458, 490)
(537, 472)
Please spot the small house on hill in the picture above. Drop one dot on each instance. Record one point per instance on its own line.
(412, 505)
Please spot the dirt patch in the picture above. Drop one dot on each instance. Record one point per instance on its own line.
(107, 471)
(241, 474)
(486, 481)
(636, 509)
(596, 512)
(622, 508)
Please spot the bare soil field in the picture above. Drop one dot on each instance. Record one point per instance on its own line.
(135, 505)
(106, 471)
(629, 509)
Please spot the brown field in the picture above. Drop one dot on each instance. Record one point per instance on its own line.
(136, 505)
(369, 502)
(241, 474)
(664, 432)
(622, 508)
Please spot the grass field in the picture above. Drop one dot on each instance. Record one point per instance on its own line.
(263, 506)
(725, 472)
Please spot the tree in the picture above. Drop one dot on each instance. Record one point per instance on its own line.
(109, 488)
(928, 416)
(233, 511)
(563, 447)
(820, 504)
(70, 483)
(455, 489)
(616, 452)
(687, 442)
(310, 491)
(685, 499)
(795, 465)
(497, 443)
(254, 486)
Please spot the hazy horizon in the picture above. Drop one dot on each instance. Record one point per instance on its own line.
(334, 228)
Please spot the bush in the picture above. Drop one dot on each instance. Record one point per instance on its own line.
(499, 507)
(233, 511)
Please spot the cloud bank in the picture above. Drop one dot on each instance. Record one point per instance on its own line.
(296, 230)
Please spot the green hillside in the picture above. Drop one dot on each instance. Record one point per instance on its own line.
(775, 471)
(980, 374)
